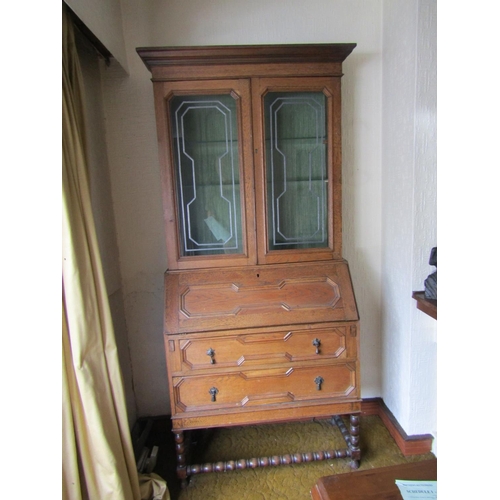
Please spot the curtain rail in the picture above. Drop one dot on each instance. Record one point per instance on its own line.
(94, 41)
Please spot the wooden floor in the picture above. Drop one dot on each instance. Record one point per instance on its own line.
(374, 484)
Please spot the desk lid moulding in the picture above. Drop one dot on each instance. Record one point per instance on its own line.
(255, 296)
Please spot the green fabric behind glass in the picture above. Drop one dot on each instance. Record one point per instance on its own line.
(205, 138)
(295, 128)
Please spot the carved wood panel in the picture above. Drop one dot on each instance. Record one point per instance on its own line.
(249, 388)
(286, 346)
(258, 296)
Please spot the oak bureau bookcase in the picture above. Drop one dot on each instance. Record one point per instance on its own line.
(261, 323)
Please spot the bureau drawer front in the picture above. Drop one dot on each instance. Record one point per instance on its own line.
(258, 296)
(246, 389)
(286, 346)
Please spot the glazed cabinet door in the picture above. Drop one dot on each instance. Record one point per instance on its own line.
(297, 161)
(207, 172)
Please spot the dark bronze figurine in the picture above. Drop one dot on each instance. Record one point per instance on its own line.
(431, 281)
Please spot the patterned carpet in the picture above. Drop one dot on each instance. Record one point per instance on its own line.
(293, 482)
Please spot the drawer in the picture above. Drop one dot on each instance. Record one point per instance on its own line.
(195, 352)
(251, 388)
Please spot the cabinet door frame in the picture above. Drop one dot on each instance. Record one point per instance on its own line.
(331, 88)
(240, 90)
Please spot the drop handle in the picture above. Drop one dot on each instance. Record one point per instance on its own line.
(318, 381)
(211, 353)
(213, 392)
(316, 343)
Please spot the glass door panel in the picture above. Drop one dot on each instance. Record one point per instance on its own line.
(295, 132)
(207, 171)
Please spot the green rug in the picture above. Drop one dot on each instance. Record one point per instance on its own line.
(292, 482)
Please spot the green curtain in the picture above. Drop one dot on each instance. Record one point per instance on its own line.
(97, 455)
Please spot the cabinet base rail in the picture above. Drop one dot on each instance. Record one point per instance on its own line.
(352, 451)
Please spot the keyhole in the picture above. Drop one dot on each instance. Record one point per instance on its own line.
(213, 392)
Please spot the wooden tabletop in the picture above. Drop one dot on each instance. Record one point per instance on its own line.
(373, 484)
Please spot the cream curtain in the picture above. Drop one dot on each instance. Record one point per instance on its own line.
(98, 459)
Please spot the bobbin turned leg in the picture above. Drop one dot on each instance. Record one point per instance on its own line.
(181, 458)
(351, 437)
(354, 441)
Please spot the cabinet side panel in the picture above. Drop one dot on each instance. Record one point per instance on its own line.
(171, 297)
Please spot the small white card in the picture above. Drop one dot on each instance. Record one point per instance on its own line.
(417, 490)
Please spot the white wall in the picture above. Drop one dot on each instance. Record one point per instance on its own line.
(408, 210)
(134, 163)
(388, 175)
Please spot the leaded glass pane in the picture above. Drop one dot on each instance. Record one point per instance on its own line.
(295, 127)
(205, 139)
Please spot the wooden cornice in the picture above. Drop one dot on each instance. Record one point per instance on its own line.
(244, 54)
